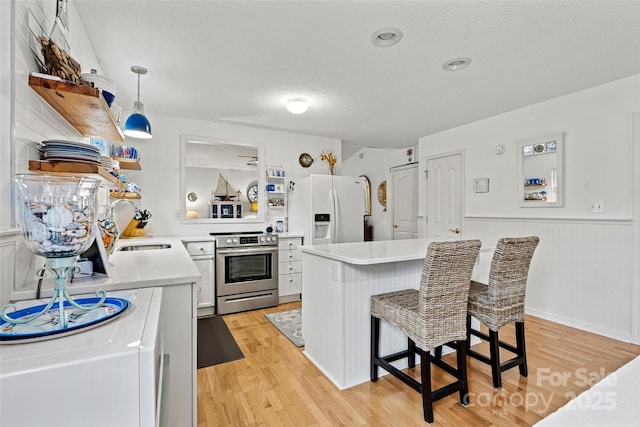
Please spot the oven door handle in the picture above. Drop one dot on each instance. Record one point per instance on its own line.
(247, 251)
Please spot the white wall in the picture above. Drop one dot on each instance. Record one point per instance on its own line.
(375, 164)
(160, 175)
(34, 120)
(582, 272)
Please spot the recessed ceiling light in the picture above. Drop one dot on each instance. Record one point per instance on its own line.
(456, 64)
(386, 37)
(297, 105)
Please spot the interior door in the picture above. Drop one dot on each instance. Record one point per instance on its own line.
(404, 202)
(444, 197)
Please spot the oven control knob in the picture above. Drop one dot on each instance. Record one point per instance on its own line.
(235, 240)
(228, 240)
(262, 239)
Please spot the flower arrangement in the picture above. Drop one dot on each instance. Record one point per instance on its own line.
(329, 158)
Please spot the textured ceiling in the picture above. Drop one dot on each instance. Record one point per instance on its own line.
(238, 61)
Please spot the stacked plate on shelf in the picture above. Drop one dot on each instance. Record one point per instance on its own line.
(106, 162)
(70, 151)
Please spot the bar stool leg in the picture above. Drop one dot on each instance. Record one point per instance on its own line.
(494, 349)
(427, 397)
(468, 343)
(375, 341)
(437, 353)
(461, 353)
(411, 358)
(522, 351)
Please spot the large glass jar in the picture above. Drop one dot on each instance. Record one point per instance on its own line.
(57, 213)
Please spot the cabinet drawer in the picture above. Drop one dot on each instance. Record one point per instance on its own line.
(290, 267)
(289, 243)
(201, 248)
(288, 256)
(289, 284)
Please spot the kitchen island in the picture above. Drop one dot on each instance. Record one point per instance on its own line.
(173, 270)
(337, 281)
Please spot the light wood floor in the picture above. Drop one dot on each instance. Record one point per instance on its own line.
(275, 384)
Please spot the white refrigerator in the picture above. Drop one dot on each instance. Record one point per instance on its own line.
(327, 209)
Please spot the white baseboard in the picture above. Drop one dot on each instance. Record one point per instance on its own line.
(589, 327)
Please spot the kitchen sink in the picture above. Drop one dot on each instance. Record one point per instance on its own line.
(145, 247)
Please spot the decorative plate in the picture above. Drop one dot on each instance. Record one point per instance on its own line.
(382, 193)
(48, 325)
(305, 160)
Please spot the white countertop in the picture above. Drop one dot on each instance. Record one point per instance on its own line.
(285, 235)
(130, 270)
(375, 252)
(198, 238)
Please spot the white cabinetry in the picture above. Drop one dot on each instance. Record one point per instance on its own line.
(203, 256)
(289, 269)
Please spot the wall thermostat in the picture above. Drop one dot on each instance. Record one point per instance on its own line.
(481, 185)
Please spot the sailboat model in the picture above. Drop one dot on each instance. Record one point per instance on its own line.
(224, 191)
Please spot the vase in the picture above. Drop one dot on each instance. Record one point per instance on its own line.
(57, 216)
(57, 213)
(331, 169)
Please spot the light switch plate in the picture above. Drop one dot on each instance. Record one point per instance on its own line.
(481, 185)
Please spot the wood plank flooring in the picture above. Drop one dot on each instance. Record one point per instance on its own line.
(275, 384)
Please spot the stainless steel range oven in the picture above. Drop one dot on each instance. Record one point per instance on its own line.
(246, 271)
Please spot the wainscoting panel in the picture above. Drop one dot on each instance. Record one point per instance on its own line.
(7, 263)
(582, 271)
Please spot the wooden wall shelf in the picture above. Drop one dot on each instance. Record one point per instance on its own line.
(130, 164)
(124, 195)
(82, 106)
(73, 168)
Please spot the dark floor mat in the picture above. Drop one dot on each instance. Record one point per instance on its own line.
(215, 343)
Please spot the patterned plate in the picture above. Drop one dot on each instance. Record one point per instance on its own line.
(48, 325)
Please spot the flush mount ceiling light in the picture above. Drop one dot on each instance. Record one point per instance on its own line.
(297, 105)
(137, 125)
(456, 64)
(386, 37)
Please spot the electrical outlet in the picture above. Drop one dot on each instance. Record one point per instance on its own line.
(597, 206)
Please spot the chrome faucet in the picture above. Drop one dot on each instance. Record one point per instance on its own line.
(112, 206)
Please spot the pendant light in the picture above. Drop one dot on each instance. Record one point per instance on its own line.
(137, 125)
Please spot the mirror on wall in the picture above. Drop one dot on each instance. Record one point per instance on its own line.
(540, 171)
(220, 181)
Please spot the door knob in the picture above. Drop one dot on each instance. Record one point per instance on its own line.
(395, 225)
(456, 230)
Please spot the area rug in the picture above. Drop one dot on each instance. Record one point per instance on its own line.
(289, 323)
(215, 343)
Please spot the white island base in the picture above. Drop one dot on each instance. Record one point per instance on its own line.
(337, 281)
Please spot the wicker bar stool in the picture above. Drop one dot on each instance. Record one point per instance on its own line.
(431, 316)
(502, 302)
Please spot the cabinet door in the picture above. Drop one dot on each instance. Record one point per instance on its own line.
(289, 284)
(205, 286)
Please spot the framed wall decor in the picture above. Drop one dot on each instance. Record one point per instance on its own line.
(540, 171)
(382, 194)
